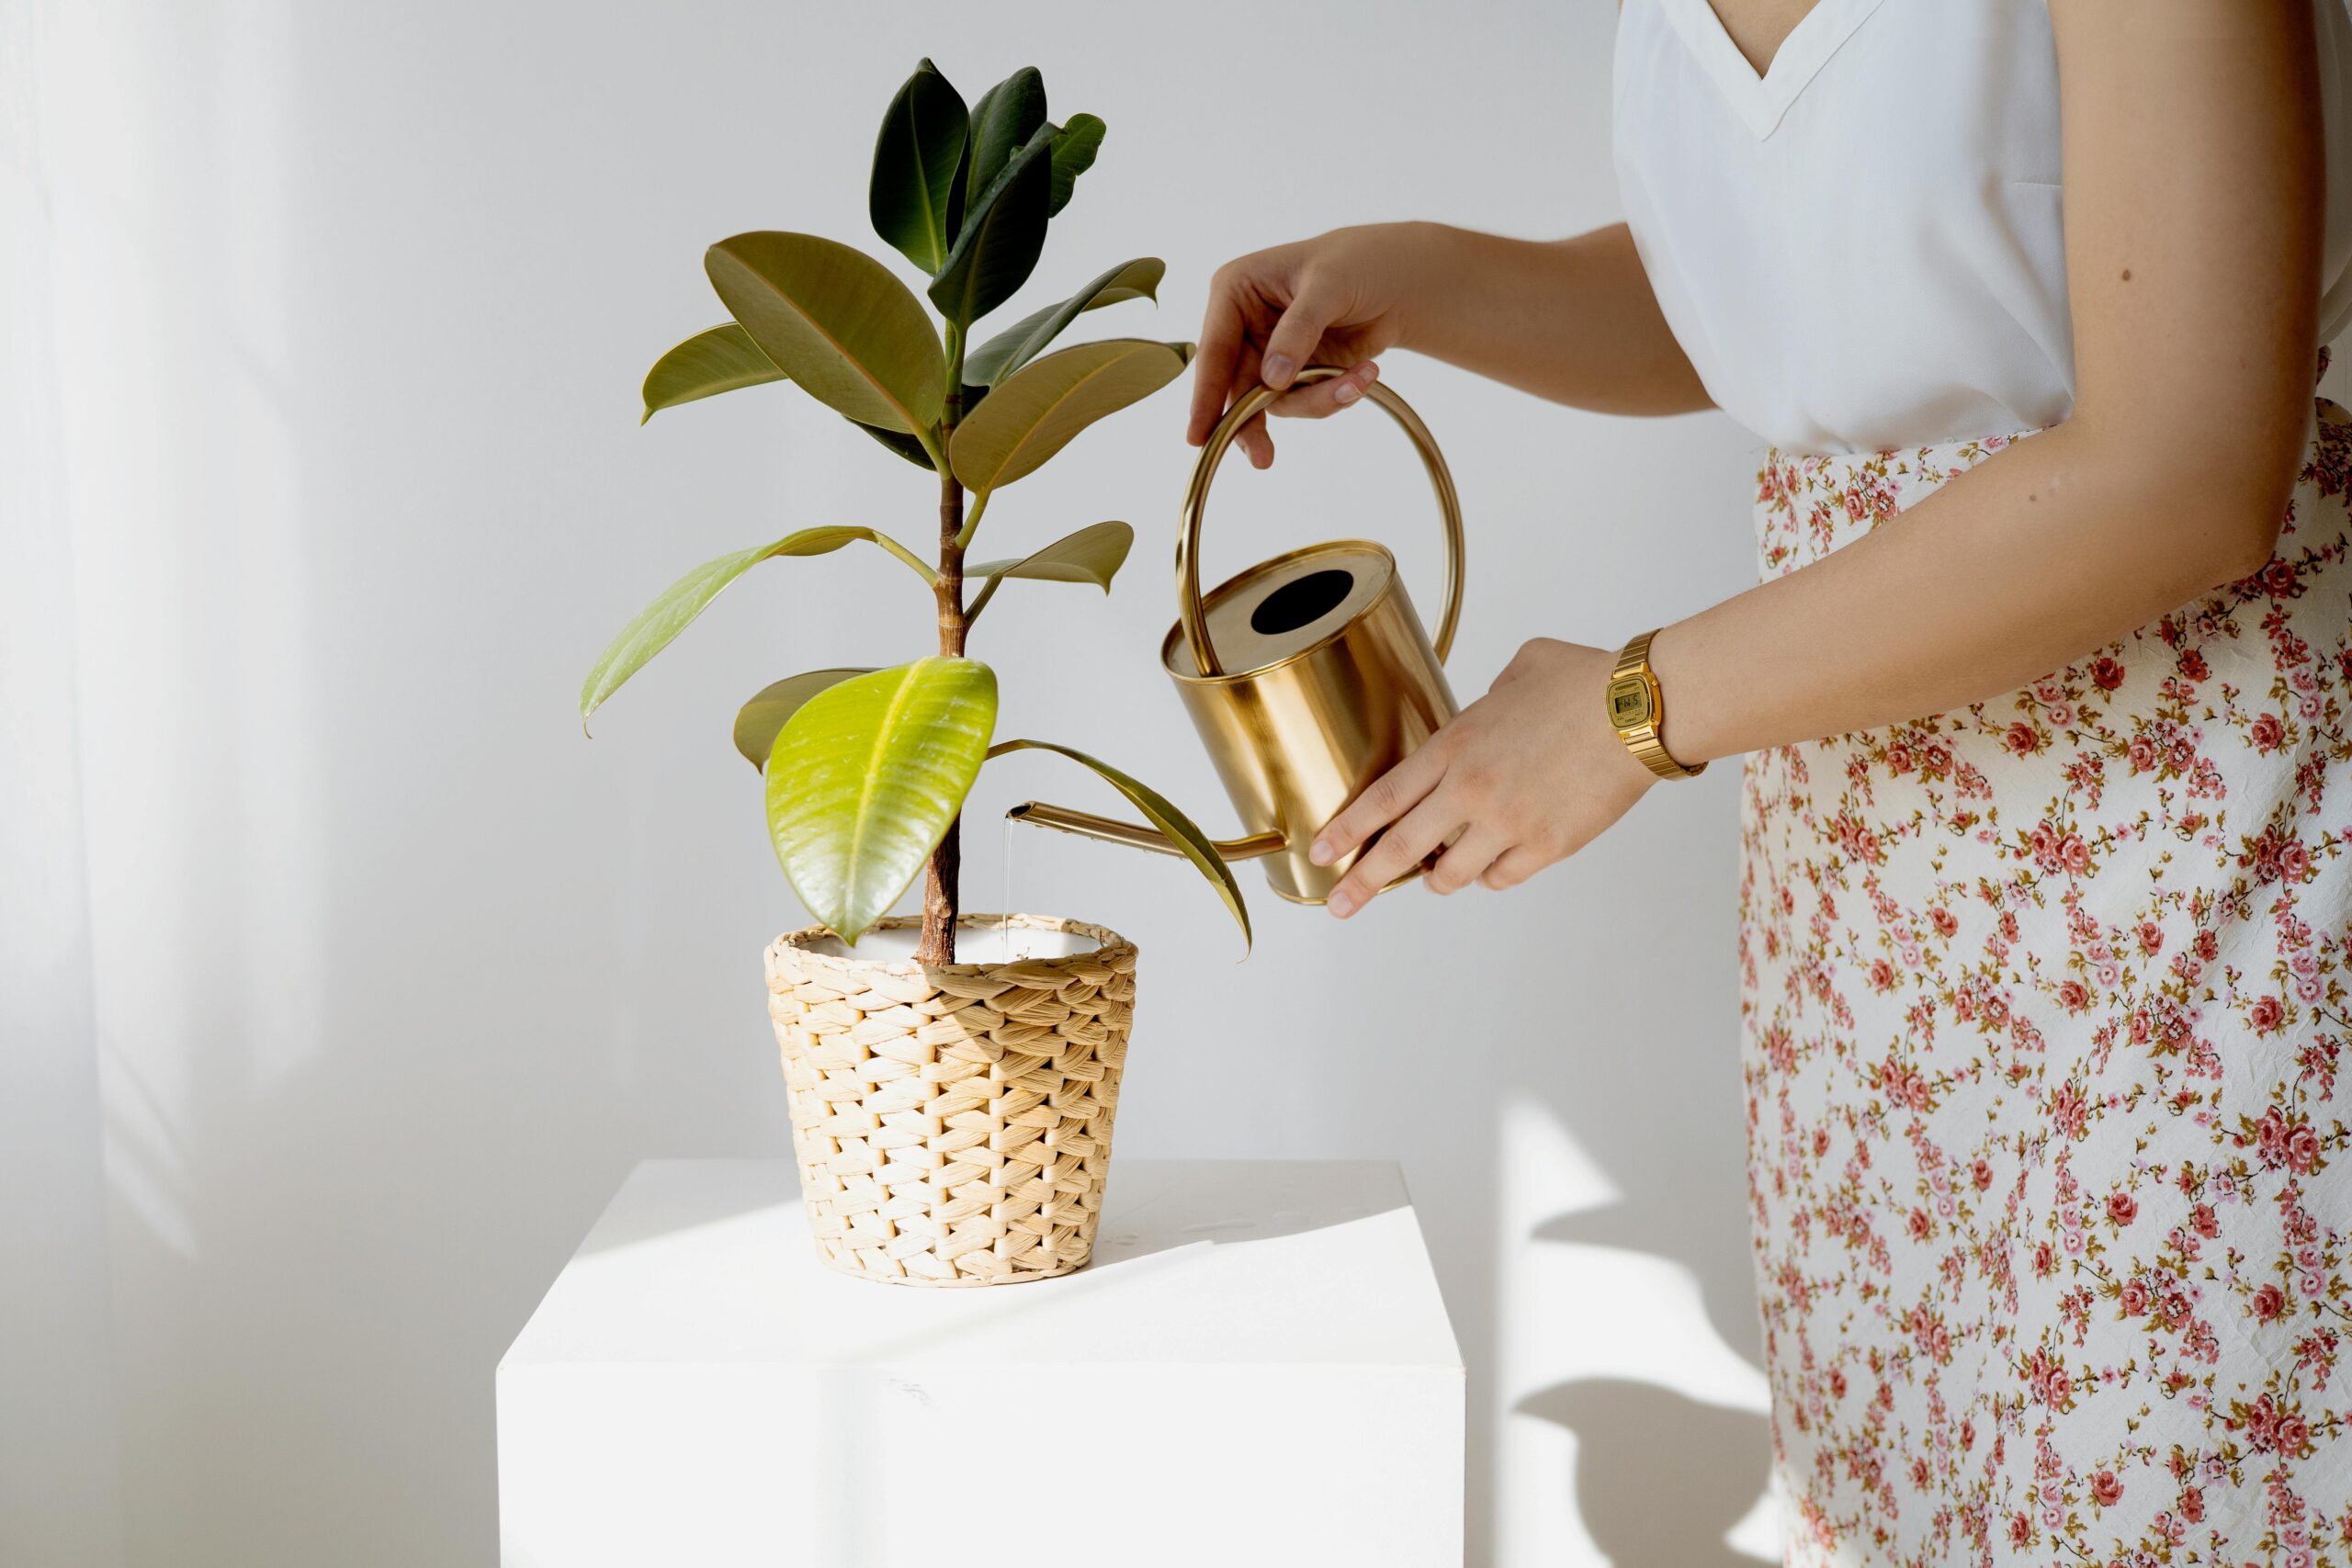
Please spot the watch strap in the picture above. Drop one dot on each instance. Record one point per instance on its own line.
(1637, 711)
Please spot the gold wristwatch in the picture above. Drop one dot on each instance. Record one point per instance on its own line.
(1637, 710)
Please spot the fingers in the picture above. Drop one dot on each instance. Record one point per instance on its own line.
(1256, 442)
(1320, 400)
(1386, 798)
(1236, 352)
(1461, 865)
(1400, 849)
(1325, 399)
(1215, 362)
(1291, 345)
(1514, 866)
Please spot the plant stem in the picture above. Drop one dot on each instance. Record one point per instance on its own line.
(907, 556)
(941, 877)
(981, 601)
(972, 523)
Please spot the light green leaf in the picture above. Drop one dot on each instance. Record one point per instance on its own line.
(705, 365)
(1074, 152)
(916, 159)
(865, 779)
(677, 605)
(835, 320)
(1035, 411)
(1003, 233)
(758, 721)
(1181, 828)
(1025, 339)
(1093, 554)
(1004, 119)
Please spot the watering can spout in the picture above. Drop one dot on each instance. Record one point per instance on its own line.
(1134, 835)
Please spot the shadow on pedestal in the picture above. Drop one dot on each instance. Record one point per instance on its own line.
(1131, 1227)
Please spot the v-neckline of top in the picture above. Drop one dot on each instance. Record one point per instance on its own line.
(1761, 100)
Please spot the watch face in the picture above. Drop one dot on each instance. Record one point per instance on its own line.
(1629, 702)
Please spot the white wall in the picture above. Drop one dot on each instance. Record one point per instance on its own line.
(395, 975)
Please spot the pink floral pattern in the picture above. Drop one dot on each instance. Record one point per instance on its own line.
(2044, 1007)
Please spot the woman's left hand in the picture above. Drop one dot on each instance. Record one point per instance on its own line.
(1528, 775)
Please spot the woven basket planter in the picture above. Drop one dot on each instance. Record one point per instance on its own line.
(953, 1124)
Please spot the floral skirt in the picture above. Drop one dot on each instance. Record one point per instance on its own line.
(2044, 1006)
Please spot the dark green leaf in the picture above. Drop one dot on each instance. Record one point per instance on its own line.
(1025, 339)
(907, 446)
(1004, 119)
(836, 321)
(904, 444)
(1003, 232)
(1180, 829)
(758, 721)
(916, 158)
(865, 778)
(705, 365)
(1074, 152)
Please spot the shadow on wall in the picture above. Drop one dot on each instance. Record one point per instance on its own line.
(1637, 1444)
(1728, 1295)
(1623, 1382)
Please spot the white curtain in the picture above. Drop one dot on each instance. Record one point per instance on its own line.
(58, 1460)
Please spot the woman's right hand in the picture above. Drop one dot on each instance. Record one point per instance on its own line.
(1339, 299)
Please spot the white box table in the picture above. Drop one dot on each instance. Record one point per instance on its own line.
(1256, 1368)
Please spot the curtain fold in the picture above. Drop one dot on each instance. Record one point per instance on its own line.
(59, 1465)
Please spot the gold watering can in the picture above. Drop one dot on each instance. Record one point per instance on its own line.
(1308, 676)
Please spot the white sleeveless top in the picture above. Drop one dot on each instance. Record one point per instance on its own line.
(1862, 249)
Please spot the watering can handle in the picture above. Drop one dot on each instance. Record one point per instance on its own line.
(1196, 496)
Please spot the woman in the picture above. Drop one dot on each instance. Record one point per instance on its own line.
(2044, 993)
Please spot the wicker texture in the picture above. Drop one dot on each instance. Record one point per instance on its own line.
(953, 1124)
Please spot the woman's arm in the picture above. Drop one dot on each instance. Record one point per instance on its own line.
(2193, 208)
(2193, 213)
(1571, 320)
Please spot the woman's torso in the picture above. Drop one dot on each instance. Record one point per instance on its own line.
(1864, 248)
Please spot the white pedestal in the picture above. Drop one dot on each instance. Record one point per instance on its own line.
(1256, 1368)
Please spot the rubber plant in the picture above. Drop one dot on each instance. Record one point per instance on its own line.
(867, 770)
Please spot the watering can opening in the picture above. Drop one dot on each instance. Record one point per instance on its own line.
(1306, 676)
(1302, 601)
(1283, 609)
